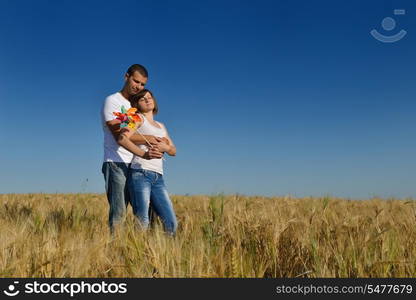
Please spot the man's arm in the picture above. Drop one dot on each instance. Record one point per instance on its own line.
(138, 139)
(124, 140)
(114, 126)
(166, 145)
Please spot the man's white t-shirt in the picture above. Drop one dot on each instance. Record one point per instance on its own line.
(112, 151)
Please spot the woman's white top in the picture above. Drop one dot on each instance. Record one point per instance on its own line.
(156, 164)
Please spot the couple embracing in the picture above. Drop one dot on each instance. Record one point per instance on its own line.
(133, 158)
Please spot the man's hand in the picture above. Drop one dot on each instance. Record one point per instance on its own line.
(153, 140)
(152, 153)
(139, 139)
(165, 140)
(156, 141)
(127, 132)
(162, 146)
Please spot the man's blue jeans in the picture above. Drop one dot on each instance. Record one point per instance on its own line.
(148, 188)
(118, 196)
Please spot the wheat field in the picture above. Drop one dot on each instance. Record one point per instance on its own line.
(66, 235)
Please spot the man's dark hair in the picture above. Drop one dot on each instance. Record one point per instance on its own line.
(137, 68)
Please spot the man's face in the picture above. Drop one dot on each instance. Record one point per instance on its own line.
(135, 83)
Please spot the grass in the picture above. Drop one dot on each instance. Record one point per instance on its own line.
(66, 235)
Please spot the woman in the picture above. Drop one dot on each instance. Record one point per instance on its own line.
(146, 175)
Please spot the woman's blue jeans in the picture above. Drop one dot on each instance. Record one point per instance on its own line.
(148, 188)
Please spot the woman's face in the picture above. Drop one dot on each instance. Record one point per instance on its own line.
(146, 103)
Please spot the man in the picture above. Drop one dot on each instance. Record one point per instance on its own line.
(116, 158)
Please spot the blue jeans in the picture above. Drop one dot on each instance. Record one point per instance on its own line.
(148, 188)
(118, 196)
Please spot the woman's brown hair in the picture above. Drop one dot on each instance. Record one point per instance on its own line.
(134, 100)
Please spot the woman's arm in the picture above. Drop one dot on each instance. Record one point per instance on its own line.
(169, 147)
(124, 140)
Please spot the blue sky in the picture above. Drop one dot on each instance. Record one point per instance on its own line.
(261, 98)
